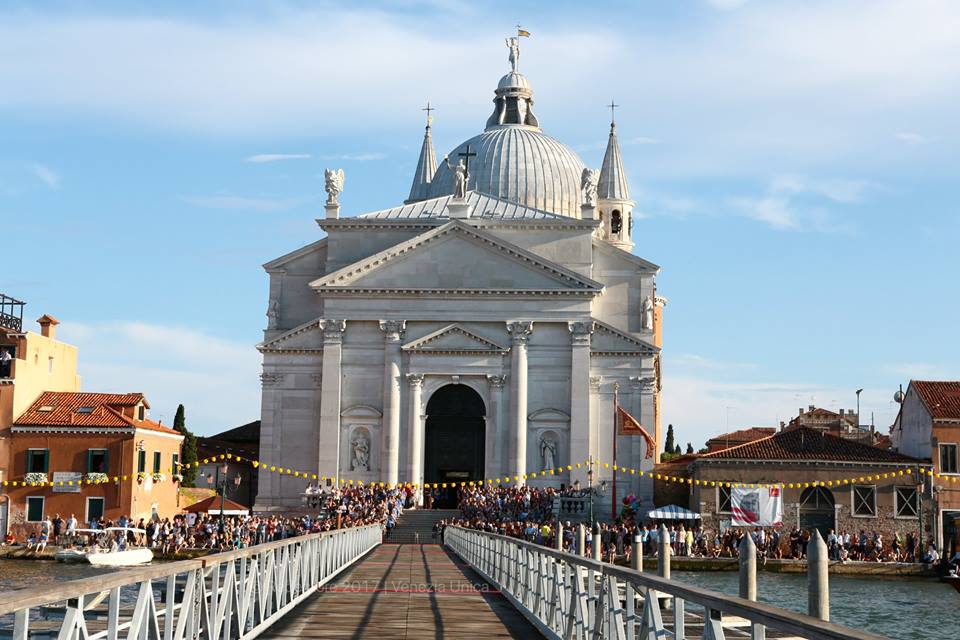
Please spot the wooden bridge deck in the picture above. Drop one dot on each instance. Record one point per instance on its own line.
(405, 591)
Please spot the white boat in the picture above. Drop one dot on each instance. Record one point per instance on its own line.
(105, 552)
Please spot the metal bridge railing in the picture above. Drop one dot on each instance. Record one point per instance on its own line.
(570, 597)
(233, 595)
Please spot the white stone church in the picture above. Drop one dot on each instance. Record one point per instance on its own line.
(478, 330)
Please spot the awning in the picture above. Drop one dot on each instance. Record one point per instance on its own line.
(672, 512)
(211, 505)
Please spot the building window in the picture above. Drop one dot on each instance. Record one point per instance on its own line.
(94, 509)
(97, 461)
(50, 365)
(723, 499)
(141, 461)
(141, 412)
(948, 458)
(35, 509)
(38, 460)
(905, 502)
(175, 466)
(865, 501)
(616, 222)
(156, 462)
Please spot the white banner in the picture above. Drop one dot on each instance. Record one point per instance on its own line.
(64, 477)
(756, 507)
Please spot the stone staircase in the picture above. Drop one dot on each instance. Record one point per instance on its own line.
(419, 521)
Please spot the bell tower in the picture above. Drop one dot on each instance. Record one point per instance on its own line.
(613, 195)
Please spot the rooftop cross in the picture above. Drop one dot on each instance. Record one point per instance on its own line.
(613, 106)
(428, 109)
(466, 155)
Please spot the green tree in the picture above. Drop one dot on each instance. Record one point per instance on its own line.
(668, 446)
(689, 448)
(676, 450)
(188, 453)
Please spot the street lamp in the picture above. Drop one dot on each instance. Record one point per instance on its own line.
(859, 391)
(222, 484)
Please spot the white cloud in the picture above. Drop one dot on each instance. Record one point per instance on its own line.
(46, 175)
(215, 379)
(775, 212)
(910, 138)
(357, 157)
(276, 157)
(841, 191)
(242, 202)
(920, 371)
(700, 407)
(726, 5)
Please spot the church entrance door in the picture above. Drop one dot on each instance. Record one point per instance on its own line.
(454, 440)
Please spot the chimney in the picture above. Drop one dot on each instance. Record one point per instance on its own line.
(48, 326)
(801, 410)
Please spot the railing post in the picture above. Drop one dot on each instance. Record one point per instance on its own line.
(818, 587)
(559, 541)
(581, 540)
(748, 568)
(636, 560)
(596, 546)
(663, 560)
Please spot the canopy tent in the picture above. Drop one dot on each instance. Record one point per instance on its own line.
(672, 512)
(211, 505)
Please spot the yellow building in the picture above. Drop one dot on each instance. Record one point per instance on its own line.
(30, 364)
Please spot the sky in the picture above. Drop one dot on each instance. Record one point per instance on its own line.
(794, 166)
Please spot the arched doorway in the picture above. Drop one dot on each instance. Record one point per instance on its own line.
(817, 510)
(454, 437)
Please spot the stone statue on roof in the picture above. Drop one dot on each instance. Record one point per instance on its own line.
(588, 186)
(514, 45)
(333, 180)
(459, 177)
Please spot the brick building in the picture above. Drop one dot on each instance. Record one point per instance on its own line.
(801, 456)
(70, 438)
(241, 441)
(928, 427)
(737, 438)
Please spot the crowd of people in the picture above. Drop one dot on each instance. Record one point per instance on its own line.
(527, 513)
(335, 508)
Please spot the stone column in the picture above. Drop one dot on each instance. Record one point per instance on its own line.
(496, 466)
(580, 435)
(519, 334)
(329, 457)
(390, 449)
(415, 427)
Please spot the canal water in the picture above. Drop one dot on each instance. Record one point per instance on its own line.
(900, 608)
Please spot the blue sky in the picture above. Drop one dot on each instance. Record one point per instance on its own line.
(794, 163)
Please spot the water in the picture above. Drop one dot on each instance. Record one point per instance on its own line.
(901, 608)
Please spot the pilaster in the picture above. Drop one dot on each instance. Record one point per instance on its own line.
(519, 334)
(415, 427)
(329, 457)
(496, 464)
(392, 334)
(580, 393)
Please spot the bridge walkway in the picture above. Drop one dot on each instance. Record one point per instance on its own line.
(405, 591)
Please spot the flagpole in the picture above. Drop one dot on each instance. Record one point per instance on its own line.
(616, 419)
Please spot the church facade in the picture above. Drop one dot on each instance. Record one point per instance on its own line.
(481, 329)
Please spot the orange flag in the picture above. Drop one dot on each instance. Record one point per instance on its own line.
(629, 426)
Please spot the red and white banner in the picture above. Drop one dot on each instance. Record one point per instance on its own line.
(756, 507)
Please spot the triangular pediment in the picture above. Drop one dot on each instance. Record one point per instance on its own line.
(453, 339)
(607, 339)
(457, 258)
(305, 338)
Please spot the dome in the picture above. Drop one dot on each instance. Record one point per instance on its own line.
(521, 164)
(514, 80)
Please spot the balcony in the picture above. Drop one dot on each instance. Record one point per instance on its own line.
(11, 314)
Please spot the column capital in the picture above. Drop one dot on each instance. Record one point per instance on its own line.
(496, 382)
(393, 330)
(595, 382)
(271, 379)
(333, 330)
(519, 331)
(580, 332)
(415, 379)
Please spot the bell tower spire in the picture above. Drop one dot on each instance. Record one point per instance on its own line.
(613, 194)
(426, 165)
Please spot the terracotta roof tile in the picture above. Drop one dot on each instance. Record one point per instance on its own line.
(942, 399)
(61, 408)
(744, 435)
(804, 443)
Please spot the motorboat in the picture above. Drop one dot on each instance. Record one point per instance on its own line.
(953, 580)
(105, 550)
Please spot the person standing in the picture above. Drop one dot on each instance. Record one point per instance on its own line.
(57, 528)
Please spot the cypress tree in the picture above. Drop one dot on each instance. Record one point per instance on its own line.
(668, 446)
(689, 448)
(189, 449)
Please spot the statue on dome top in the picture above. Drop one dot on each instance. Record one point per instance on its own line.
(459, 171)
(514, 45)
